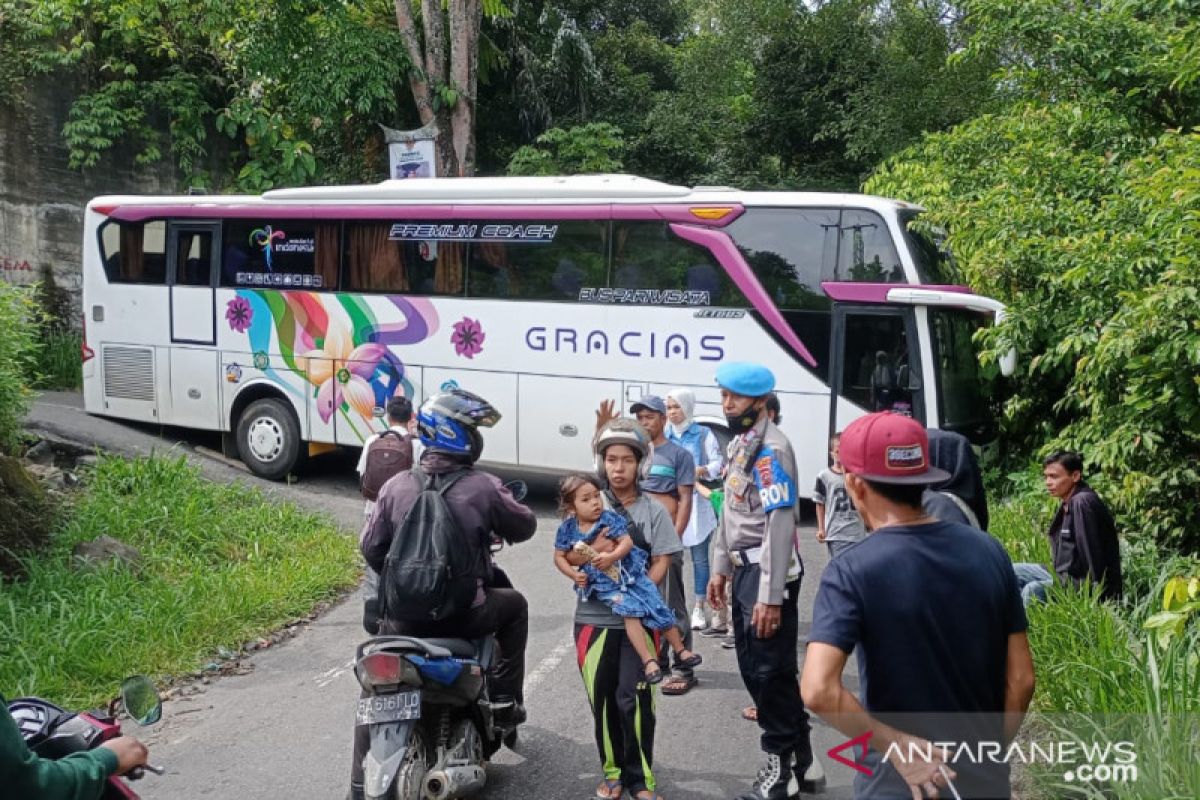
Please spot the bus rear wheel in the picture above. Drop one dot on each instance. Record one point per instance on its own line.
(268, 438)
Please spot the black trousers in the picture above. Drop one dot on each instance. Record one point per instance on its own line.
(769, 667)
(676, 600)
(505, 613)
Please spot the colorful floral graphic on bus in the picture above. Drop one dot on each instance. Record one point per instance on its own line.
(239, 314)
(344, 353)
(468, 337)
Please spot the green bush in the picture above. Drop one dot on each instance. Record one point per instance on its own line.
(58, 364)
(220, 565)
(19, 323)
(1091, 234)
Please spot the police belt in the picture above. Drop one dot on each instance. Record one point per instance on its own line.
(746, 558)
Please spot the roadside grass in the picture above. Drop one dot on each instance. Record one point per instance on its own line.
(220, 565)
(1102, 676)
(58, 365)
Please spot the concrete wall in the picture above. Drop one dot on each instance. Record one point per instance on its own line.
(42, 199)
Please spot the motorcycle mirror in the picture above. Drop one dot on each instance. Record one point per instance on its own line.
(141, 700)
(518, 489)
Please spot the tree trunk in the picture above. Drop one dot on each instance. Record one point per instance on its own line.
(465, 19)
(435, 74)
(416, 74)
(428, 75)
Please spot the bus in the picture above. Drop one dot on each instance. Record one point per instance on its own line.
(286, 321)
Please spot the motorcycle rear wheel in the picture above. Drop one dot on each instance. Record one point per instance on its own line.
(410, 780)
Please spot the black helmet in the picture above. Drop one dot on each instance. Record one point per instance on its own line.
(448, 422)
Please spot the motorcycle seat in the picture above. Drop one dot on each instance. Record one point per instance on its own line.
(460, 648)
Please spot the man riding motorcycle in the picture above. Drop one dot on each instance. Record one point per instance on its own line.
(447, 424)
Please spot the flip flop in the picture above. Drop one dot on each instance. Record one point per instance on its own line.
(750, 713)
(611, 790)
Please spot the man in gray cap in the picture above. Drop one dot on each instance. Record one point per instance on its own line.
(755, 545)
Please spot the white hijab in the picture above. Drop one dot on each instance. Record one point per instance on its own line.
(687, 402)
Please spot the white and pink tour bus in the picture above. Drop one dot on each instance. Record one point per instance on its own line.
(286, 321)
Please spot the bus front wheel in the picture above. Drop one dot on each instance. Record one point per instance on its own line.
(268, 438)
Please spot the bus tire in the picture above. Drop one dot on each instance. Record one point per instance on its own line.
(268, 438)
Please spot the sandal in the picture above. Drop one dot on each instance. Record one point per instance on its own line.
(750, 713)
(610, 790)
(679, 684)
(653, 676)
(694, 660)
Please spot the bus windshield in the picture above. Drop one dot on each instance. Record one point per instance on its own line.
(961, 398)
(935, 264)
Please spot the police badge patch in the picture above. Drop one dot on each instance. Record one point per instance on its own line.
(775, 487)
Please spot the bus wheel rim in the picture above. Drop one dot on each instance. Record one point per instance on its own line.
(266, 439)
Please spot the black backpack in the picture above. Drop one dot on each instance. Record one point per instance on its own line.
(431, 570)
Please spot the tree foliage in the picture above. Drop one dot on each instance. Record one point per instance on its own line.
(1078, 207)
(587, 149)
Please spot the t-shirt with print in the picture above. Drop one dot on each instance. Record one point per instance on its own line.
(930, 609)
(663, 540)
(671, 467)
(842, 522)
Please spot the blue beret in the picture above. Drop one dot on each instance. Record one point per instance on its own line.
(745, 378)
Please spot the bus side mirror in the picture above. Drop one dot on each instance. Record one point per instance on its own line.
(1008, 363)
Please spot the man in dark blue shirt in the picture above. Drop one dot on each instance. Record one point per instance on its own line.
(934, 615)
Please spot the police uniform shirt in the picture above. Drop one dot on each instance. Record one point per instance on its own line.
(760, 509)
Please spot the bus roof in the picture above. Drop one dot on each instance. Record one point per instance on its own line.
(565, 190)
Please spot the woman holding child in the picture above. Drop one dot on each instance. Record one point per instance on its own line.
(615, 653)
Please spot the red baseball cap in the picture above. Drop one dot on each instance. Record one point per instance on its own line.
(889, 448)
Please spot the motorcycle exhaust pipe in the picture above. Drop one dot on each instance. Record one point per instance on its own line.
(452, 782)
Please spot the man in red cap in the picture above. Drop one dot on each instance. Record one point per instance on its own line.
(935, 614)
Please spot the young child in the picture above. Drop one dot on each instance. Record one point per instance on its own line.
(616, 573)
(839, 525)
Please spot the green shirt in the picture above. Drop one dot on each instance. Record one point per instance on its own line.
(79, 776)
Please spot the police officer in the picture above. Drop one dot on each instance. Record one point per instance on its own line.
(755, 547)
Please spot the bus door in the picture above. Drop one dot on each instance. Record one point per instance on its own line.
(875, 363)
(191, 252)
(191, 275)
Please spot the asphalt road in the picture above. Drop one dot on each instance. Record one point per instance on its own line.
(282, 730)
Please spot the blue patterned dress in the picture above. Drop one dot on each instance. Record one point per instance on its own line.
(635, 595)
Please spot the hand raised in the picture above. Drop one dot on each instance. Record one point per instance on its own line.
(606, 413)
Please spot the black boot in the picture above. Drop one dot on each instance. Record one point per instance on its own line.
(772, 780)
(808, 772)
(508, 712)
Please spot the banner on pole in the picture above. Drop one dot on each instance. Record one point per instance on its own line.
(412, 154)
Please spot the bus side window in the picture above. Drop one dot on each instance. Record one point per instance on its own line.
(866, 251)
(377, 262)
(280, 254)
(791, 250)
(541, 269)
(648, 255)
(134, 252)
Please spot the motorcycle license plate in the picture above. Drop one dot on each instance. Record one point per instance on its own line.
(389, 708)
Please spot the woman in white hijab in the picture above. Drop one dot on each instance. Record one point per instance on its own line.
(698, 440)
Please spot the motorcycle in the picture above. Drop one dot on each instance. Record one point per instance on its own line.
(52, 732)
(427, 702)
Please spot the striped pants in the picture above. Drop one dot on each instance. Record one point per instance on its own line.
(622, 705)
